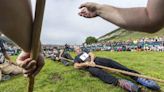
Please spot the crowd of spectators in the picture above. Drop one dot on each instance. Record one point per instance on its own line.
(143, 44)
(12, 49)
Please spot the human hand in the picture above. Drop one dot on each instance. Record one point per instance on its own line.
(30, 67)
(92, 64)
(57, 58)
(89, 10)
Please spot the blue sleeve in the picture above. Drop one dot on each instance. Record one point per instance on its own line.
(76, 60)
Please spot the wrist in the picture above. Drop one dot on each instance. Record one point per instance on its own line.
(99, 9)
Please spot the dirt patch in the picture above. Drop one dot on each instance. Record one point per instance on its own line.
(55, 77)
(84, 73)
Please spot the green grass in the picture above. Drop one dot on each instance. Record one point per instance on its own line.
(124, 35)
(55, 77)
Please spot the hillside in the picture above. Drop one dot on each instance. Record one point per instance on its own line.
(123, 35)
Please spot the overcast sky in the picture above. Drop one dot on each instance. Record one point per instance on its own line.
(63, 25)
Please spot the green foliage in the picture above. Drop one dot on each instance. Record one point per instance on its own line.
(55, 77)
(90, 40)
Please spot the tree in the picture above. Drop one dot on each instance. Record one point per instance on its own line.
(90, 40)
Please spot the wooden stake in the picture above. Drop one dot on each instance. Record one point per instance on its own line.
(129, 73)
(35, 47)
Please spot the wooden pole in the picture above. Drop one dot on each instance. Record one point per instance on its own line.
(67, 59)
(35, 47)
(129, 73)
(123, 72)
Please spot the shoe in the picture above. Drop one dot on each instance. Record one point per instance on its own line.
(66, 64)
(5, 77)
(128, 85)
(148, 83)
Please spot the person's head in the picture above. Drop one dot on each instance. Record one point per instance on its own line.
(77, 49)
(55, 50)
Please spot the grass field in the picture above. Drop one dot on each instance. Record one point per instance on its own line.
(55, 77)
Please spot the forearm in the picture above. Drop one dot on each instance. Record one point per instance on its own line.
(60, 54)
(128, 18)
(79, 65)
(16, 21)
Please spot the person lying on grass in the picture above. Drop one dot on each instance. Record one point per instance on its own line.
(61, 55)
(87, 61)
(7, 67)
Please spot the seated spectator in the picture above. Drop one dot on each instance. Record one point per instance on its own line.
(7, 67)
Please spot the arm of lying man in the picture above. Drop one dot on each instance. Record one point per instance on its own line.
(80, 65)
(92, 57)
(85, 64)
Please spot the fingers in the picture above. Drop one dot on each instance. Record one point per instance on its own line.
(38, 70)
(40, 65)
(83, 5)
(30, 67)
(24, 63)
(23, 59)
(83, 12)
(29, 72)
(87, 13)
(87, 5)
(93, 64)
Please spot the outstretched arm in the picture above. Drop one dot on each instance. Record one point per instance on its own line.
(80, 65)
(61, 53)
(147, 19)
